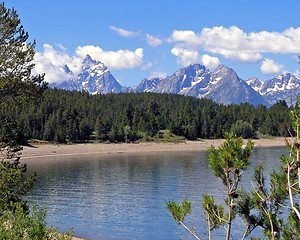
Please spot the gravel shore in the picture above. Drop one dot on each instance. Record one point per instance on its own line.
(52, 150)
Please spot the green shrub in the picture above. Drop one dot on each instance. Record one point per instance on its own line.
(243, 129)
(17, 224)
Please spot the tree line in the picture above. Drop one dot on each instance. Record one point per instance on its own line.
(72, 116)
(64, 116)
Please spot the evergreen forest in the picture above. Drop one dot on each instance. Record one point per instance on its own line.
(64, 116)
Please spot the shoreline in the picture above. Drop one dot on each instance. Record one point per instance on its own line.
(40, 151)
(59, 150)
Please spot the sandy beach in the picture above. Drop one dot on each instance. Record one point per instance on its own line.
(52, 150)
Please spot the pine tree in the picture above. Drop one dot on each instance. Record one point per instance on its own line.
(227, 163)
(17, 86)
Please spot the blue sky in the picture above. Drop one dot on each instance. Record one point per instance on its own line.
(142, 39)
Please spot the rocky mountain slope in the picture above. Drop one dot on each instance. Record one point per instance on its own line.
(223, 85)
(94, 78)
(281, 87)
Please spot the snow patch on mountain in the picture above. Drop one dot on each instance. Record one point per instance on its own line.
(223, 85)
(283, 87)
(94, 78)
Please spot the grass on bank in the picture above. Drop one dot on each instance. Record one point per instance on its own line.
(162, 136)
(166, 136)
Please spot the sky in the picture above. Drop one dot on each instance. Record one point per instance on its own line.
(139, 39)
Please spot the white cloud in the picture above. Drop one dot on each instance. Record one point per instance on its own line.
(121, 59)
(234, 44)
(239, 56)
(124, 33)
(184, 36)
(297, 73)
(61, 47)
(270, 67)
(52, 62)
(210, 62)
(157, 75)
(153, 41)
(187, 57)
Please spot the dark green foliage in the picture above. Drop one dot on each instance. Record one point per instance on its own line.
(244, 205)
(12, 186)
(179, 211)
(213, 212)
(242, 129)
(17, 87)
(16, 82)
(231, 159)
(227, 163)
(18, 224)
(72, 116)
(295, 113)
(276, 121)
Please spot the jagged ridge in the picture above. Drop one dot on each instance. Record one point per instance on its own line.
(223, 85)
(94, 78)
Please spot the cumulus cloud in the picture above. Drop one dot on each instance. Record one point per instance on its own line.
(52, 62)
(124, 33)
(234, 44)
(189, 37)
(187, 57)
(121, 59)
(210, 62)
(153, 41)
(270, 67)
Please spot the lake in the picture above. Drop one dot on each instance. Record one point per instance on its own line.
(120, 196)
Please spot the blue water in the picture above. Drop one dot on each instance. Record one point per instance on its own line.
(121, 196)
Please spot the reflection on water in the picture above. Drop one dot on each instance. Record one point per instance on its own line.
(123, 197)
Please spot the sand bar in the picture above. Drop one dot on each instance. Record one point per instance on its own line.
(49, 150)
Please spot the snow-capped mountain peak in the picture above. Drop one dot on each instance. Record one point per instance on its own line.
(255, 83)
(222, 70)
(91, 65)
(94, 78)
(223, 85)
(281, 87)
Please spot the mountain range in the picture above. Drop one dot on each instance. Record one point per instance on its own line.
(282, 87)
(223, 85)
